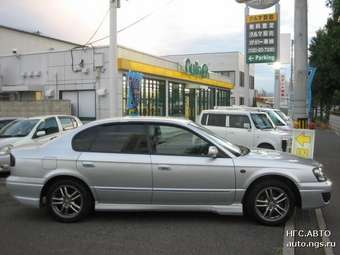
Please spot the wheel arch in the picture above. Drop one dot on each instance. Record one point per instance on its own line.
(56, 178)
(266, 143)
(291, 183)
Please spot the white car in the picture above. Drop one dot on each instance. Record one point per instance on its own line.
(277, 117)
(251, 129)
(34, 130)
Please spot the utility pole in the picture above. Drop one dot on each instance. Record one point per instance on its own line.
(277, 69)
(115, 88)
(300, 63)
(246, 66)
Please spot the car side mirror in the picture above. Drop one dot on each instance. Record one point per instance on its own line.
(246, 125)
(212, 152)
(41, 133)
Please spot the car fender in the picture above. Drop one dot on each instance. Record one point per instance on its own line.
(267, 172)
(69, 173)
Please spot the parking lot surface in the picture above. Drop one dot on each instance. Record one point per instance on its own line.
(30, 231)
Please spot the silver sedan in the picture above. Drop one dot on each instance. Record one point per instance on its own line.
(162, 164)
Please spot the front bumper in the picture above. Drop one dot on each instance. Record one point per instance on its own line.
(315, 195)
(25, 190)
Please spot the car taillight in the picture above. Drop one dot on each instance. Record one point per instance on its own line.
(12, 160)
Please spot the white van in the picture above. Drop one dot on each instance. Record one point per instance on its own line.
(251, 129)
(275, 115)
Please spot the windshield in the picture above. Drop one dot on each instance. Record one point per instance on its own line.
(236, 150)
(261, 121)
(19, 128)
(282, 115)
(276, 118)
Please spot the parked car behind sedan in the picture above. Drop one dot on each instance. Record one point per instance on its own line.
(5, 121)
(162, 164)
(252, 129)
(34, 130)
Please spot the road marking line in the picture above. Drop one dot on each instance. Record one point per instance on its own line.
(289, 227)
(322, 226)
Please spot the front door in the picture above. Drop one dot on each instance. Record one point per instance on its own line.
(182, 171)
(115, 160)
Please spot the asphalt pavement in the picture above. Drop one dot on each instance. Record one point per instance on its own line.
(31, 231)
(327, 151)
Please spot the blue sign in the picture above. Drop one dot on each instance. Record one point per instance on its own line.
(134, 84)
(310, 79)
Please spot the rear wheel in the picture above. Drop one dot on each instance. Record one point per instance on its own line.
(271, 202)
(68, 201)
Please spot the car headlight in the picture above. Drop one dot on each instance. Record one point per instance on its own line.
(320, 176)
(5, 150)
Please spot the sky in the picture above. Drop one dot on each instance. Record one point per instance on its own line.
(175, 27)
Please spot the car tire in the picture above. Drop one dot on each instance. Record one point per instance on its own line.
(266, 146)
(69, 201)
(270, 202)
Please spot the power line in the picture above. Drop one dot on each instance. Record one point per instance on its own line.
(131, 24)
(100, 24)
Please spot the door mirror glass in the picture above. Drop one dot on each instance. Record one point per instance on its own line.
(246, 125)
(41, 133)
(212, 152)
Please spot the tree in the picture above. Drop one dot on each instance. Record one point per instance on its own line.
(325, 56)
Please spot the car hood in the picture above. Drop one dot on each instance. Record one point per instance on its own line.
(279, 157)
(9, 141)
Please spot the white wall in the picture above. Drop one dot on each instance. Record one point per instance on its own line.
(27, 43)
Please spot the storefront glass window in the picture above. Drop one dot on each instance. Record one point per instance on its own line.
(152, 97)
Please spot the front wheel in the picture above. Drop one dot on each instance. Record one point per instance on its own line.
(271, 202)
(68, 201)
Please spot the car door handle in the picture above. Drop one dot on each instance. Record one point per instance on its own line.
(164, 168)
(88, 164)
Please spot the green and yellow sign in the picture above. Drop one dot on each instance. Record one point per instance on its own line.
(261, 38)
(196, 69)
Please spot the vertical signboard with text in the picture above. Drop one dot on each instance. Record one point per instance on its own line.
(261, 38)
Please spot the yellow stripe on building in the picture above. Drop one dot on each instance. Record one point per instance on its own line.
(130, 65)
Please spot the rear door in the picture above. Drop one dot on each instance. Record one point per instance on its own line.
(116, 161)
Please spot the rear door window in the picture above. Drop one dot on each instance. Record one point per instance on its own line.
(113, 138)
(217, 120)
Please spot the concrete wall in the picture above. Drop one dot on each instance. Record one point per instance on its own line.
(28, 43)
(34, 108)
(334, 122)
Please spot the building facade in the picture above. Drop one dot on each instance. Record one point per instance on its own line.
(81, 76)
(16, 41)
(230, 65)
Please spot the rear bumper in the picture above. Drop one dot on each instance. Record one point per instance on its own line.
(315, 195)
(25, 190)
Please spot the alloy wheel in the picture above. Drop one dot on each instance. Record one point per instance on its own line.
(67, 201)
(272, 204)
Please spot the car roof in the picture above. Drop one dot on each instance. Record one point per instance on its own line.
(50, 116)
(235, 110)
(136, 119)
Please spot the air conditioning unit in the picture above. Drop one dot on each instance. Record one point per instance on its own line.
(49, 92)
